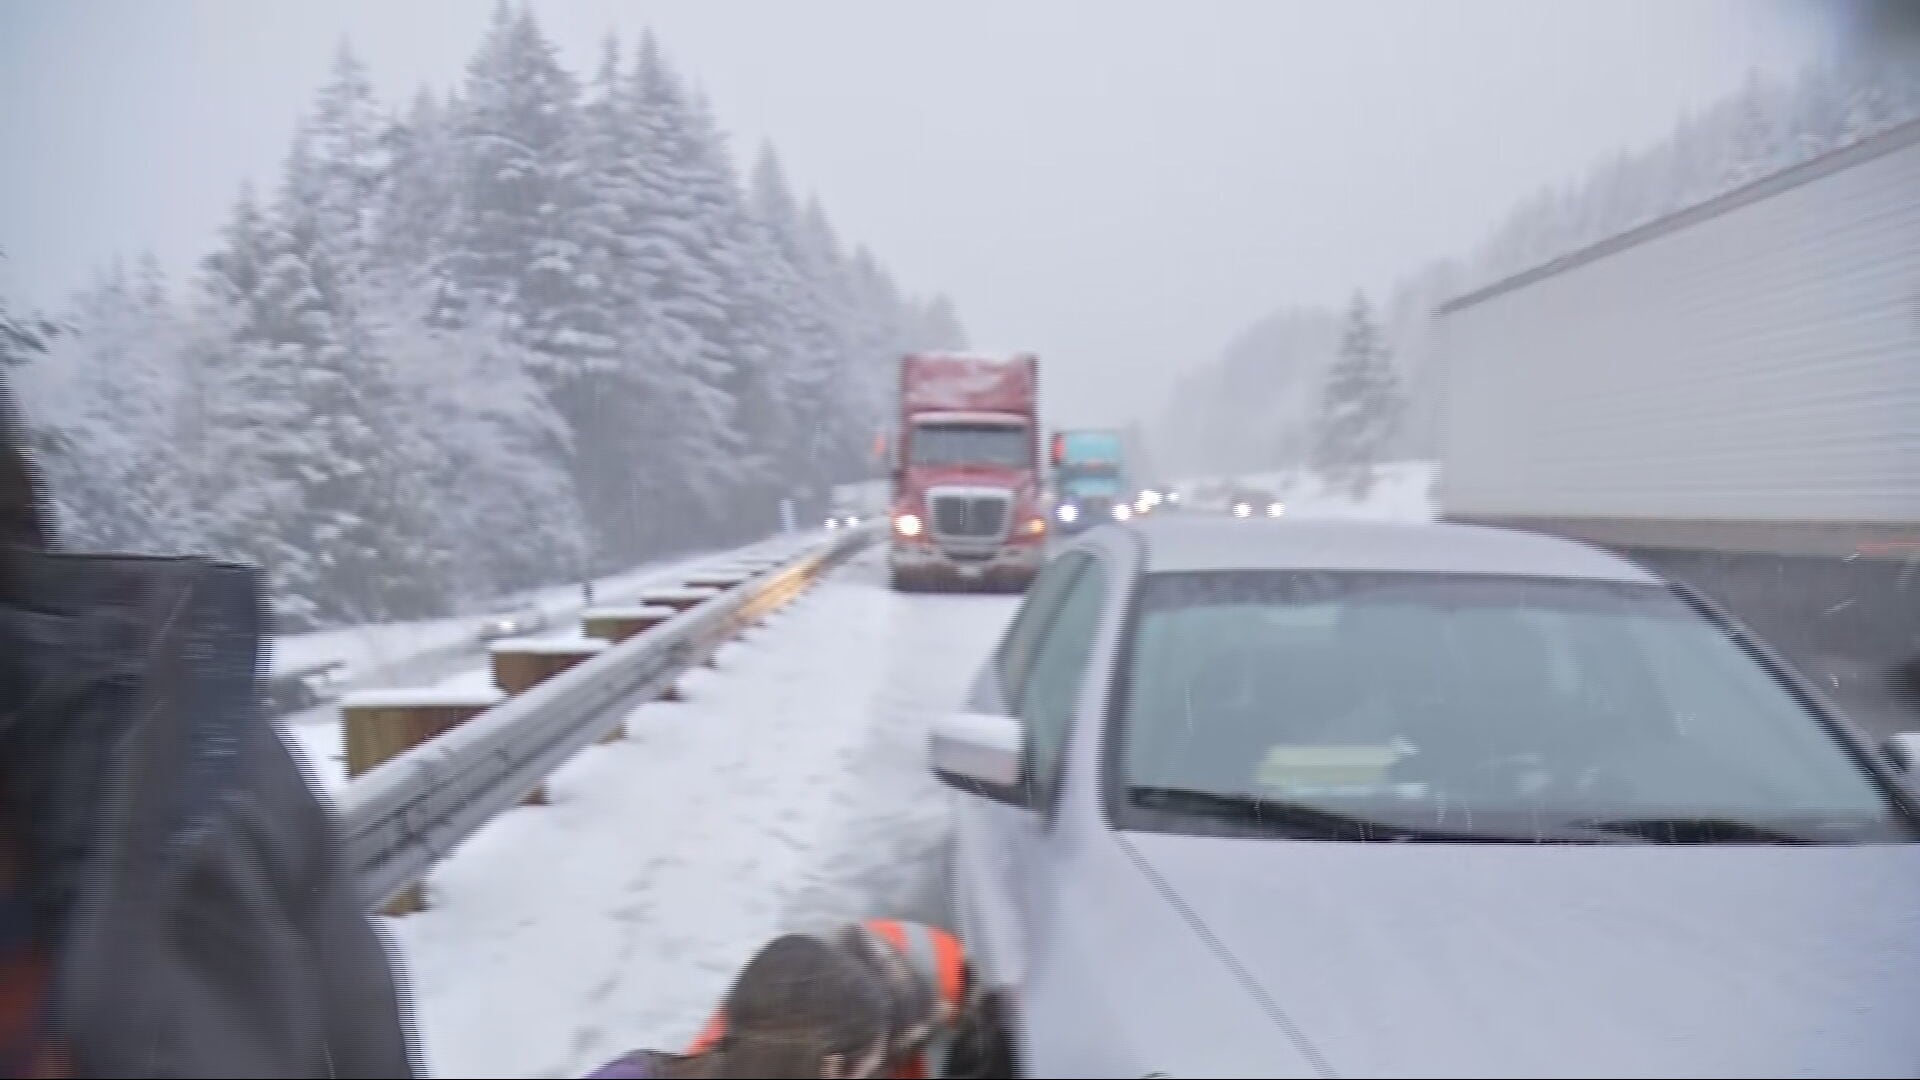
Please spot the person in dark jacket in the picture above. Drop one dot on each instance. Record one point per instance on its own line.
(799, 1010)
(173, 900)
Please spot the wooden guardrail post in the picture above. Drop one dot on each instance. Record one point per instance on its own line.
(382, 724)
(680, 599)
(617, 624)
(520, 664)
(718, 577)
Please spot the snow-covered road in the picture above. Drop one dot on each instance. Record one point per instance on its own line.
(788, 789)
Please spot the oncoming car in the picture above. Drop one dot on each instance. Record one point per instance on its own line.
(1366, 798)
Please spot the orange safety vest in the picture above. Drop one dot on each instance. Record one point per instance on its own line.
(933, 954)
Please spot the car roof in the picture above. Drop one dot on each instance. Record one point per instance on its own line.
(1176, 542)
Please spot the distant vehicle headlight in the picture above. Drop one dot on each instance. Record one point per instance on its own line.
(1275, 509)
(1241, 509)
(907, 524)
(1068, 513)
(1121, 512)
(833, 523)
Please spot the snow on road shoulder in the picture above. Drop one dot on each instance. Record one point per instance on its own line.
(564, 935)
(883, 855)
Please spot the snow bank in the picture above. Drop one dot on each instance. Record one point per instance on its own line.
(554, 645)
(407, 697)
(790, 784)
(368, 648)
(1402, 491)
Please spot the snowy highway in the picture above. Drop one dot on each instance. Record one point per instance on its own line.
(787, 789)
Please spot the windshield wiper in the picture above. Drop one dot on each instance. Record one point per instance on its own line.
(1697, 830)
(1326, 824)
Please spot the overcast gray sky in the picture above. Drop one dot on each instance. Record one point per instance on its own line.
(1119, 184)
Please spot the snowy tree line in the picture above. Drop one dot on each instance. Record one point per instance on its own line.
(518, 333)
(1269, 400)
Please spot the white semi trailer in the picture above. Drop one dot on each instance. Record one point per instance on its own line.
(1730, 395)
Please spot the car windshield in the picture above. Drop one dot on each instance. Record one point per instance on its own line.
(1476, 707)
(1001, 445)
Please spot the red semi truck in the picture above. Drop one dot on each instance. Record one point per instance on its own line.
(967, 502)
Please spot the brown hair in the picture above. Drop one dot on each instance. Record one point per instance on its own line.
(795, 1003)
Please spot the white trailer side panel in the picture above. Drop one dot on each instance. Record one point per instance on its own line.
(1755, 360)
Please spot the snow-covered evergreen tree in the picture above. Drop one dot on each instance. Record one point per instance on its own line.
(504, 338)
(1360, 407)
(112, 391)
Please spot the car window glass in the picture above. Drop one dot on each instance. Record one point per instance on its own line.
(1433, 699)
(1043, 599)
(1058, 672)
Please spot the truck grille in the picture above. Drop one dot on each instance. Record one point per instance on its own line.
(974, 517)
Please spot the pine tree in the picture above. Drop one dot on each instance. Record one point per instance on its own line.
(1757, 138)
(504, 338)
(111, 393)
(366, 547)
(24, 339)
(688, 243)
(1360, 407)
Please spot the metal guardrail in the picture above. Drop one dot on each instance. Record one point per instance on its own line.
(407, 814)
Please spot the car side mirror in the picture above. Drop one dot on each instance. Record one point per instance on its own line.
(981, 754)
(1904, 748)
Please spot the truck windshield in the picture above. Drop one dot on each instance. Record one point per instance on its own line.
(1503, 707)
(1000, 445)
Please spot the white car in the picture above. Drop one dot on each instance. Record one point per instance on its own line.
(1369, 799)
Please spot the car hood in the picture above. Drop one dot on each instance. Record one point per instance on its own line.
(1519, 960)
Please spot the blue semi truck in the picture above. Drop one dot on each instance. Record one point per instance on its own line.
(1089, 479)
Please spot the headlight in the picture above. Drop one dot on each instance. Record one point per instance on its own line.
(1275, 509)
(1068, 513)
(1036, 526)
(1241, 509)
(1122, 512)
(833, 523)
(907, 524)
(1150, 497)
(850, 521)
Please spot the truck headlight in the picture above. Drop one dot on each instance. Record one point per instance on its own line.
(907, 524)
(1241, 510)
(1275, 509)
(1068, 513)
(1121, 511)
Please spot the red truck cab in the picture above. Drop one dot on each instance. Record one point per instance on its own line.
(967, 502)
